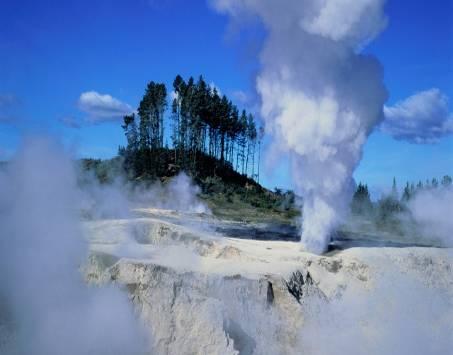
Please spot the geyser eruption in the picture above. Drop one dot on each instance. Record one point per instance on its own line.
(321, 97)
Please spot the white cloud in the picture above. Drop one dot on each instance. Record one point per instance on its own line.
(421, 118)
(102, 107)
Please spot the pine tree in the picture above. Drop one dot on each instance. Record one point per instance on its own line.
(361, 201)
(130, 131)
(178, 136)
(151, 111)
(394, 190)
(251, 140)
(225, 112)
(407, 193)
(242, 140)
(260, 139)
(203, 123)
(233, 132)
(131, 162)
(446, 181)
(434, 183)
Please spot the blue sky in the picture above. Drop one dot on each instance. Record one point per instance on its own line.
(53, 51)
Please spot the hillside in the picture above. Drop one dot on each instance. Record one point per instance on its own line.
(228, 194)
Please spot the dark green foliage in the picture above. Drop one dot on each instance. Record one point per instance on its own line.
(446, 181)
(129, 153)
(104, 171)
(394, 190)
(407, 193)
(361, 201)
(247, 202)
(151, 112)
(210, 140)
(410, 190)
(434, 183)
(143, 153)
(388, 213)
(204, 125)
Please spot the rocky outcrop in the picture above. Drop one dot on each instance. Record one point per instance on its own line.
(203, 294)
(195, 313)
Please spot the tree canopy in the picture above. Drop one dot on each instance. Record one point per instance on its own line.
(203, 124)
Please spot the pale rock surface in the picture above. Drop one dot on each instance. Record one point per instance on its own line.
(202, 293)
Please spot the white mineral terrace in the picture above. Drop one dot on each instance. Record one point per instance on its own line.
(199, 292)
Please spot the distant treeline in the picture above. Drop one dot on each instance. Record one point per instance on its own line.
(386, 211)
(411, 189)
(207, 128)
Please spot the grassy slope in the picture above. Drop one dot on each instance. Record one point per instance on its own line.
(228, 194)
(251, 207)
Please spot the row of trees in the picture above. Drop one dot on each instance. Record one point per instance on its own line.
(390, 205)
(410, 189)
(361, 200)
(145, 133)
(203, 123)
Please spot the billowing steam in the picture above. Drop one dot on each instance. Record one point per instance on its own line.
(119, 198)
(321, 97)
(45, 307)
(398, 316)
(431, 209)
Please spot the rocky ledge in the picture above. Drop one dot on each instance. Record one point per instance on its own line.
(198, 292)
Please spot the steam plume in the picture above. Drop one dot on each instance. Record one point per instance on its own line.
(118, 198)
(321, 97)
(43, 299)
(383, 321)
(431, 209)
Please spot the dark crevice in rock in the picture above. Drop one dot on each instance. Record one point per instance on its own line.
(270, 293)
(296, 284)
(308, 279)
(176, 287)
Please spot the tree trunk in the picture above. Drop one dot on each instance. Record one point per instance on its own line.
(222, 146)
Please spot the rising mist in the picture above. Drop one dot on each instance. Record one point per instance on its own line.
(46, 306)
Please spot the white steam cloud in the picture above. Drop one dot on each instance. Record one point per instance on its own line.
(431, 209)
(45, 307)
(119, 198)
(399, 315)
(321, 97)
